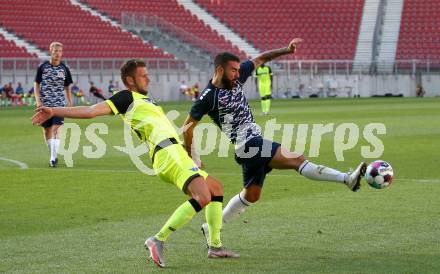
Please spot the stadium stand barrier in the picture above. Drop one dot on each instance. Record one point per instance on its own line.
(292, 78)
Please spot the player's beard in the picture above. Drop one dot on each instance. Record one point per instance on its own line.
(228, 84)
(141, 89)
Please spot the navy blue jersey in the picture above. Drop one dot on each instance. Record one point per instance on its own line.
(228, 108)
(52, 80)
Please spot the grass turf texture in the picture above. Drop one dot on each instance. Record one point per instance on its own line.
(95, 217)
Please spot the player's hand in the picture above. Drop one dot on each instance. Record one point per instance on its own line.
(294, 44)
(38, 104)
(199, 164)
(43, 114)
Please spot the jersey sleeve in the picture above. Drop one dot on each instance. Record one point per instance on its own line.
(39, 76)
(203, 105)
(68, 81)
(246, 69)
(120, 102)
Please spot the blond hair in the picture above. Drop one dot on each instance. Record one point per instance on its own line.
(55, 45)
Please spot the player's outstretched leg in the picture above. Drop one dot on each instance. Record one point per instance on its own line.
(353, 180)
(284, 159)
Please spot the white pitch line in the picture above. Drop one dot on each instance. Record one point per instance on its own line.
(133, 171)
(18, 163)
(423, 180)
(213, 174)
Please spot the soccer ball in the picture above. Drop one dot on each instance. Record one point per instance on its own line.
(379, 174)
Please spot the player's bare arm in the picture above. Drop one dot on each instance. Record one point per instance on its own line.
(68, 93)
(189, 125)
(269, 55)
(82, 112)
(37, 94)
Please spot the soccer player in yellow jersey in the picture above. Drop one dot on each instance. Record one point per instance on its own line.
(170, 160)
(265, 77)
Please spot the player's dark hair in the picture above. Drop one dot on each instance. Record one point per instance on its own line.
(223, 58)
(129, 68)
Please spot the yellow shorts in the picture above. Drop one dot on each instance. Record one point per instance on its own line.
(173, 165)
(264, 90)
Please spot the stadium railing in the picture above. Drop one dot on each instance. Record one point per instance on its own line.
(142, 22)
(11, 67)
(27, 66)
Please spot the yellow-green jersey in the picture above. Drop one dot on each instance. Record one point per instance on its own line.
(264, 75)
(144, 116)
(147, 119)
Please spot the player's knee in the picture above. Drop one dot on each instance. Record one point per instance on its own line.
(252, 196)
(198, 190)
(47, 133)
(203, 199)
(215, 187)
(301, 159)
(296, 161)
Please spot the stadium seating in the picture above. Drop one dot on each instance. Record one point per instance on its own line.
(171, 12)
(84, 35)
(329, 28)
(9, 49)
(419, 36)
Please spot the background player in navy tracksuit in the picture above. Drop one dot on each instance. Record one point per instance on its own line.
(52, 87)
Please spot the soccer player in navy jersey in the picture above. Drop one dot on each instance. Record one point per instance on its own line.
(52, 87)
(224, 102)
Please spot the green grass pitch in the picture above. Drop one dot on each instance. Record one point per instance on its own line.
(94, 217)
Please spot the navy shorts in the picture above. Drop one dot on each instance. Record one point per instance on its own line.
(53, 121)
(254, 158)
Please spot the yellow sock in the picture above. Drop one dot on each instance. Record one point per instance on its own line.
(180, 217)
(213, 213)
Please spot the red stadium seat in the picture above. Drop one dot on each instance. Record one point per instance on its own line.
(83, 34)
(9, 49)
(270, 24)
(173, 13)
(419, 28)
